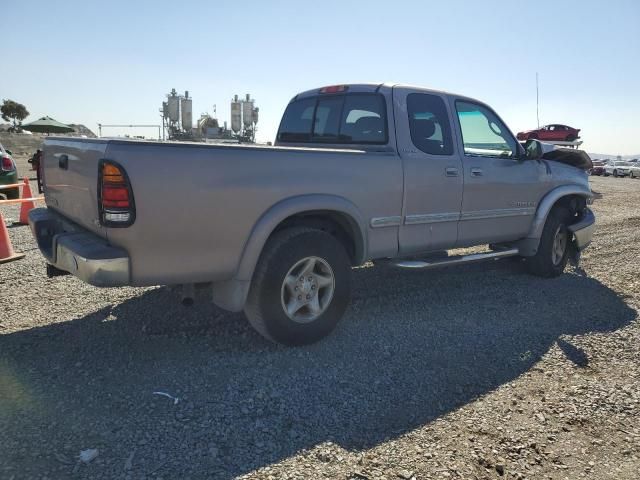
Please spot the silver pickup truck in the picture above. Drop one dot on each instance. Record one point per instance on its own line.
(389, 173)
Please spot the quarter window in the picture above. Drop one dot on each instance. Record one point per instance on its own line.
(429, 124)
(483, 134)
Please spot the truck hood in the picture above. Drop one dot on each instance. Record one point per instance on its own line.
(569, 156)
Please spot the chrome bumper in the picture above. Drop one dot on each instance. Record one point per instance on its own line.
(583, 230)
(79, 252)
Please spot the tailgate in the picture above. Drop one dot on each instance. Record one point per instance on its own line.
(71, 179)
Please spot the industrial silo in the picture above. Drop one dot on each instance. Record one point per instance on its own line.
(236, 115)
(173, 104)
(187, 113)
(247, 112)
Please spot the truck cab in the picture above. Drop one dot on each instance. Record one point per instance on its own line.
(467, 180)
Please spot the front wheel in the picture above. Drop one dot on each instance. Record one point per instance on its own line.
(615, 173)
(553, 251)
(301, 287)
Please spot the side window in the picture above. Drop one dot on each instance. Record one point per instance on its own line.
(363, 119)
(297, 121)
(483, 134)
(429, 124)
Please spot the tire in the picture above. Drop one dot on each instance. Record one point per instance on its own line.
(570, 138)
(286, 255)
(533, 136)
(547, 263)
(615, 173)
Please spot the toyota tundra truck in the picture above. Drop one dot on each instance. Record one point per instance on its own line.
(386, 173)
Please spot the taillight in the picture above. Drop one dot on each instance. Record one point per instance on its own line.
(334, 89)
(115, 196)
(7, 164)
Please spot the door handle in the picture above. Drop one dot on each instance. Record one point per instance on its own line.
(63, 162)
(451, 172)
(476, 172)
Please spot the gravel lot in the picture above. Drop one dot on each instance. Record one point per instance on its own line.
(474, 372)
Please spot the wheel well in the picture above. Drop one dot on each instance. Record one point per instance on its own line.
(341, 226)
(574, 203)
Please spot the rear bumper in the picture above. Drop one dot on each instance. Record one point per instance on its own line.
(583, 230)
(79, 252)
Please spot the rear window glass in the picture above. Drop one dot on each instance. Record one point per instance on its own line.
(354, 118)
(429, 124)
(297, 121)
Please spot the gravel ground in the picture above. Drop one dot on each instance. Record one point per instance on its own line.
(479, 372)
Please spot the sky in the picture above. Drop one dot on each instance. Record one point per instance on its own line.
(113, 62)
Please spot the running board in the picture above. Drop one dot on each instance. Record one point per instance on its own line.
(456, 260)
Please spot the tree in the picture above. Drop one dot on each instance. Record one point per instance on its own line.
(13, 111)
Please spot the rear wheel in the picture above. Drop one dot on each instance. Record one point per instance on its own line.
(553, 251)
(301, 287)
(570, 138)
(615, 173)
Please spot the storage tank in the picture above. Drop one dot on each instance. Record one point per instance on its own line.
(255, 115)
(187, 113)
(247, 112)
(173, 107)
(236, 115)
(165, 110)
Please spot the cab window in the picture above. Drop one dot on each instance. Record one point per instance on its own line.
(344, 119)
(429, 124)
(483, 134)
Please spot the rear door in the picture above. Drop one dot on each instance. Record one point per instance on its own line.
(432, 171)
(501, 190)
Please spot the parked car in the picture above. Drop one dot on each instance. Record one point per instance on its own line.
(379, 172)
(634, 170)
(556, 132)
(598, 168)
(8, 174)
(617, 168)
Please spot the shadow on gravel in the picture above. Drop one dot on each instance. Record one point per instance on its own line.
(413, 346)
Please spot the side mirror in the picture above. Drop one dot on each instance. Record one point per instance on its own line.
(533, 149)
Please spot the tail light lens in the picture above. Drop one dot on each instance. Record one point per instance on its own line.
(115, 196)
(7, 164)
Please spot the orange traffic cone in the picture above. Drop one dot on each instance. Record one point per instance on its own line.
(6, 249)
(26, 207)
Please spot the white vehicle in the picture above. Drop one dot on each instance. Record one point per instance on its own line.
(634, 170)
(617, 169)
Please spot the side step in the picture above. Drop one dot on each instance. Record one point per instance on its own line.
(456, 260)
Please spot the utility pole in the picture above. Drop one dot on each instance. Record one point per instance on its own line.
(537, 101)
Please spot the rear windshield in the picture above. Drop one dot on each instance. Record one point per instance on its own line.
(353, 118)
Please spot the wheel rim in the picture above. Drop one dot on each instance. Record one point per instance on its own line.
(307, 289)
(559, 245)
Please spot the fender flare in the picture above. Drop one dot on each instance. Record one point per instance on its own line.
(549, 200)
(284, 209)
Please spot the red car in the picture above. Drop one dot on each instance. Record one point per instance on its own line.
(558, 133)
